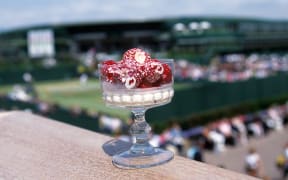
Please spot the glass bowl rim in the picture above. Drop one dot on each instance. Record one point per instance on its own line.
(168, 61)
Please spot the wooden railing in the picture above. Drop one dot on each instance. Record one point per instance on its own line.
(34, 147)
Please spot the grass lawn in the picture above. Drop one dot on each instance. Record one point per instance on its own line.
(70, 93)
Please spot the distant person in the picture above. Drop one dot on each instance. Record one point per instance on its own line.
(29, 85)
(285, 169)
(253, 163)
(19, 93)
(90, 58)
(276, 117)
(238, 125)
(217, 138)
(83, 79)
(195, 152)
(27, 77)
(225, 128)
(176, 136)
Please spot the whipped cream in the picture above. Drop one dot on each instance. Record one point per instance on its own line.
(143, 98)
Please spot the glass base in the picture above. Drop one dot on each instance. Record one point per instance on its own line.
(133, 160)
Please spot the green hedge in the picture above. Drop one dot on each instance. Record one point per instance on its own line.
(58, 113)
(12, 76)
(205, 117)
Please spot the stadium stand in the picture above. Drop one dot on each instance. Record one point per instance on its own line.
(194, 38)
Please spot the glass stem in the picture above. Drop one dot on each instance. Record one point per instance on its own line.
(140, 131)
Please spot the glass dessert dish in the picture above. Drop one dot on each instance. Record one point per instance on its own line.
(136, 94)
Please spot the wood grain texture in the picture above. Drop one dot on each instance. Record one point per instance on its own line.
(34, 147)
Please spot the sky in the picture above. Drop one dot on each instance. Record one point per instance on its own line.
(23, 13)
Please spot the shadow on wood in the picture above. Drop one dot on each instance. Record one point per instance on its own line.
(115, 146)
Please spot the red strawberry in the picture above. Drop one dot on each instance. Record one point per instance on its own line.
(167, 74)
(130, 82)
(105, 65)
(145, 84)
(137, 55)
(157, 83)
(133, 79)
(153, 70)
(128, 63)
(108, 62)
(110, 71)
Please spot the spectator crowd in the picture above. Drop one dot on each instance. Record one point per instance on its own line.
(232, 67)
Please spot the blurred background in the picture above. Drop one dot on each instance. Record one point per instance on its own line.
(230, 107)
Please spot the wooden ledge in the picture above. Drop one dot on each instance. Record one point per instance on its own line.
(34, 147)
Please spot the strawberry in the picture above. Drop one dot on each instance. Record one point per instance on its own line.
(137, 55)
(130, 82)
(108, 62)
(157, 83)
(128, 63)
(105, 65)
(153, 70)
(167, 74)
(133, 79)
(110, 71)
(145, 84)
